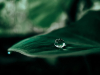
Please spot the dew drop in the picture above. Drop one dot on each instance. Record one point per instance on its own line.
(9, 52)
(59, 43)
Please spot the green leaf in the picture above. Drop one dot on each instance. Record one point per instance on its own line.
(81, 38)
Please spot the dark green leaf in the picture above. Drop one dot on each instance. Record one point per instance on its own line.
(81, 38)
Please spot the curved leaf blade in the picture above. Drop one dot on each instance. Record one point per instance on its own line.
(77, 42)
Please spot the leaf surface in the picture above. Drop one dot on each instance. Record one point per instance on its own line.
(81, 38)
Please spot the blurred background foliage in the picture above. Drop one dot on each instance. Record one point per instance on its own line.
(26, 16)
(36, 16)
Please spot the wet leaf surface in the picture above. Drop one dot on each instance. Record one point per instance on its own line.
(81, 38)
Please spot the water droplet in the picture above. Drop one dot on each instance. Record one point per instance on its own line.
(9, 52)
(59, 43)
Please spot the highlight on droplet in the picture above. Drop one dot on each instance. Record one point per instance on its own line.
(9, 52)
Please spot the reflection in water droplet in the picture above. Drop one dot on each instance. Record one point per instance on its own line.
(59, 43)
(9, 52)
